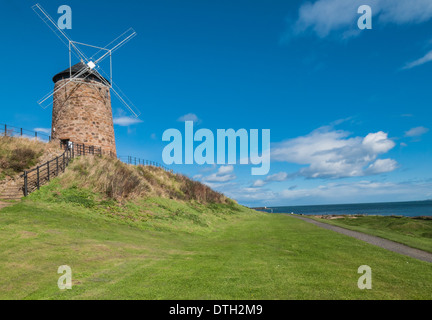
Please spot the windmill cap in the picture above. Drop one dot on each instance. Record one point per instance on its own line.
(77, 68)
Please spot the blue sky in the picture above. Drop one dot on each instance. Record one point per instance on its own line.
(349, 110)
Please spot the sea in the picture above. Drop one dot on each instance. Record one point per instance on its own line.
(408, 209)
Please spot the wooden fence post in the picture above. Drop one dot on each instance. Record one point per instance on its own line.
(25, 184)
(38, 182)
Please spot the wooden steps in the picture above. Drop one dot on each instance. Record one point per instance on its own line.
(4, 204)
(12, 190)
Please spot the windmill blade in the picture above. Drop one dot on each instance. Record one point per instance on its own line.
(125, 100)
(114, 45)
(101, 78)
(122, 97)
(116, 40)
(121, 40)
(90, 64)
(46, 18)
(42, 102)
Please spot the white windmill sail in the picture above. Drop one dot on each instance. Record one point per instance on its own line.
(91, 65)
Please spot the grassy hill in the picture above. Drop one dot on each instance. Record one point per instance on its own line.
(142, 233)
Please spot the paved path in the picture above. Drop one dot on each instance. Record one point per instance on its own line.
(377, 241)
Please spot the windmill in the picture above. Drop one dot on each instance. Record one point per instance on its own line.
(81, 96)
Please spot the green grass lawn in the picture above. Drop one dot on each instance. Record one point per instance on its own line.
(416, 233)
(228, 253)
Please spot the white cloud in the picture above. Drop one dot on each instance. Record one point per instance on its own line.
(330, 193)
(208, 169)
(43, 130)
(381, 166)
(251, 195)
(222, 175)
(326, 16)
(358, 192)
(404, 11)
(221, 186)
(280, 176)
(377, 143)
(328, 153)
(258, 183)
(420, 61)
(126, 121)
(189, 117)
(225, 169)
(416, 132)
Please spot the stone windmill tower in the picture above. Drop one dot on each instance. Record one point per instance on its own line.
(81, 98)
(82, 109)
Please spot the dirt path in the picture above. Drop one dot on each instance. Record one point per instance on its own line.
(377, 241)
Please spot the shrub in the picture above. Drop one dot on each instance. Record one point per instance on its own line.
(194, 190)
(122, 182)
(20, 159)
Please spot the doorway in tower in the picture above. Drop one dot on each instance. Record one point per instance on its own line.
(64, 143)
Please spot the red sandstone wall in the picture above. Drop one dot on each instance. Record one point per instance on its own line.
(82, 113)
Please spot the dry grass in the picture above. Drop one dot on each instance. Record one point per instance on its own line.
(18, 154)
(119, 181)
(110, 177)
